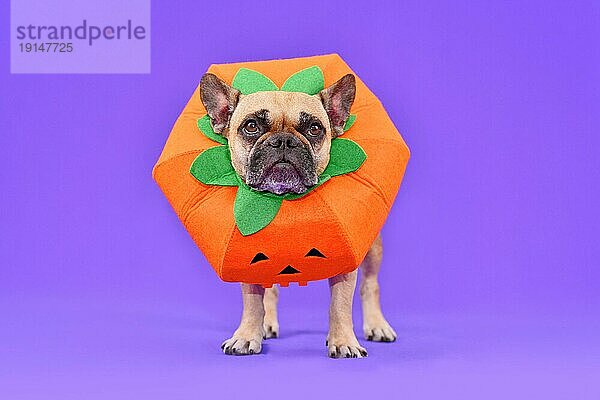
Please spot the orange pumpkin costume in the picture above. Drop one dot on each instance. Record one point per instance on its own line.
(322, 234)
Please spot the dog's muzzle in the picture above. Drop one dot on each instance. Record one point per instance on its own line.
(281, 164)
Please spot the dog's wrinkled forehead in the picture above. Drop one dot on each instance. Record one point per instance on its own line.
(280, 108)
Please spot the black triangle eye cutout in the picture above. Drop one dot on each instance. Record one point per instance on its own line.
(314, 253)
(259, 257)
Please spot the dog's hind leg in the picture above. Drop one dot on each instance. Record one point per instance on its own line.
(271, 324)
(247, 339)
(375, 326)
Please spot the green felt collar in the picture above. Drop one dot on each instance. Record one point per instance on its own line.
(254, 210)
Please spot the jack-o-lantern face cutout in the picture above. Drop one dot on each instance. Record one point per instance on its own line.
(288, 270)
(314, 253)
(259, 257)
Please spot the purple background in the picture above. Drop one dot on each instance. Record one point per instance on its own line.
(490, 272)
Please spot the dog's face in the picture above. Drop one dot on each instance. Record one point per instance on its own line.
(279, 141)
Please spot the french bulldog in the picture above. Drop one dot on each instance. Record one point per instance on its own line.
(279, 143)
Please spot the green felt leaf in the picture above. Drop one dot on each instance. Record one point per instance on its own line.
(253, 210)
(213, 167)
(309, 80)
(345, 156)
(248, 81)
(206, 128)
(349, 122)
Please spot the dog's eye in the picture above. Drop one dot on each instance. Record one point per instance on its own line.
(315, 129)
(251, 127)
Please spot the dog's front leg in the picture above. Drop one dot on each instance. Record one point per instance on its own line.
(247, 339)
(271, 324)
(341, 340)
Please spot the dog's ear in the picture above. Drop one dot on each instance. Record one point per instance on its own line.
(337, 100)
(219, 99)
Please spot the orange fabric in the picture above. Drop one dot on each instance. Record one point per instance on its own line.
(341, 218)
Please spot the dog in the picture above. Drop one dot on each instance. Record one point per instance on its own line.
(279, 143)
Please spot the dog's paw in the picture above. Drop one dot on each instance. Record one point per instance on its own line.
(345, 346)
(346, 350)
(241, 346)
(379, 331)
(271, 328)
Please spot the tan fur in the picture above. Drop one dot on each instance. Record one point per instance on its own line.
(247, 339)
(375, 326)
(271, 323)
(259, 318)
(341, 340)
(284, 108)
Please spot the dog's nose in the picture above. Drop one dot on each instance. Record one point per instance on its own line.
(283, 140)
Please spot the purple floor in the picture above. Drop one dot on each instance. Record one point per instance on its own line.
(119, 350)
